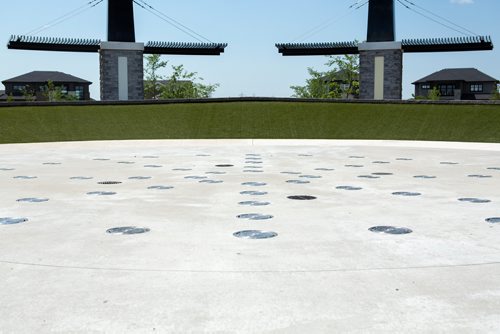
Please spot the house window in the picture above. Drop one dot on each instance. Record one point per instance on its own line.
(18, 90)
(476, 88)
(64, 89)
(446, 90)
(425, 86)
(79, 92)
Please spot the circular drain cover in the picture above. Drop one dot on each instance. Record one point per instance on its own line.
(298, 181)
(254, 184)
(254, 193)
(480, 176)
(390, 230)
(302, 197)
(33, 200)
(424, 177)
(224, 165)
(493, 220)
(474, 200)
(139, 177)
(161, 187)
(102, 193)
(253, 234)
(12, 221)
(254, 203)
(406, 193)
(128, 230)
(348, 188)
(81, 178)
(109, 182)
(255, 216)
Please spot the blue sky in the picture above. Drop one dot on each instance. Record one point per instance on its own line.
(251, 65)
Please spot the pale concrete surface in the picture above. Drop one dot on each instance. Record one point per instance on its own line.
(60, 272)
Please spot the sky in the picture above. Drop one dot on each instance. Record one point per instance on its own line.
(251, 65)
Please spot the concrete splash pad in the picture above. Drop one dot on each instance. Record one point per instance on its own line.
(64, 267)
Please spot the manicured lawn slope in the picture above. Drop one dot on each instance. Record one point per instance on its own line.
(476, 123)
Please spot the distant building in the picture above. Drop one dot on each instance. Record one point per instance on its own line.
(343, 80)
(35, 84)
(458, 84)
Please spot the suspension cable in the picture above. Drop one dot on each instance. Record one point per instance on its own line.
(451, 25)
(171, 21)
(65, 17)
(327, 23)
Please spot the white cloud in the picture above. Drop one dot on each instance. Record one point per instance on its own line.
(462, 2)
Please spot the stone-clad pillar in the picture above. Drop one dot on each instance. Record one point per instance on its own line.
(121, 67)
(381, 71)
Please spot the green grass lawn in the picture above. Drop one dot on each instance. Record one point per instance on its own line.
(269, 120)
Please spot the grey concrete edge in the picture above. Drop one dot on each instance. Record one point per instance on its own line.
(245, 99)
(261, 142)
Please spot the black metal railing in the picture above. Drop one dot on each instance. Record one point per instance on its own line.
(184, 48)
(315, 49)
(472, 43)
(53, 44)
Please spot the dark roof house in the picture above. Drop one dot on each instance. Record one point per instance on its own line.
(458, 84)
(35, 84)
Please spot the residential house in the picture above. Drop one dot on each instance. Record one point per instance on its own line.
(35, 84)
(458, 84)
(343, 81)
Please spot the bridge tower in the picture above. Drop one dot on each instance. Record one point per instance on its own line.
(381, 56)
(120, 57)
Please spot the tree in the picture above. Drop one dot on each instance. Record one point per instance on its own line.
(496, 94)
(347, 72)
(181, 84)
(341, 81)
(152, 78)
(28, 93)
(52, 92)
(434, 94)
